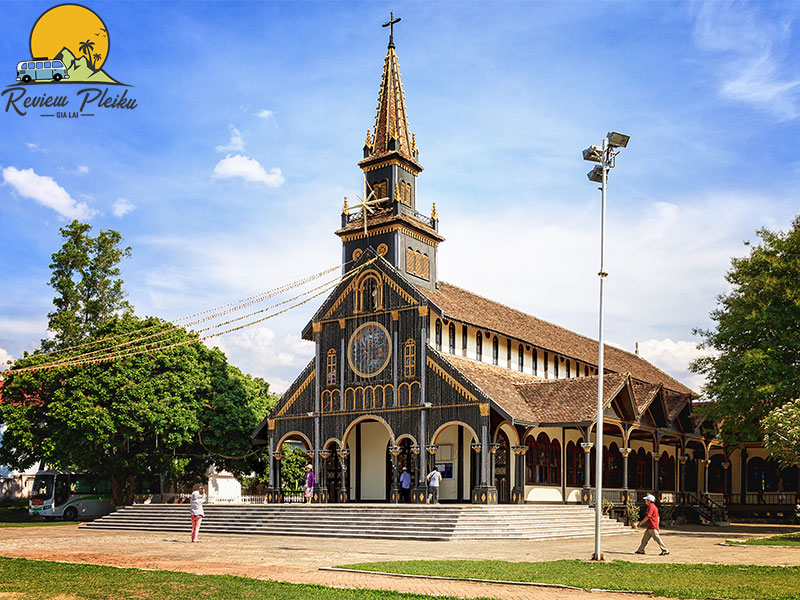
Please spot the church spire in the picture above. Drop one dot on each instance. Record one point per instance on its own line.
(391, 132)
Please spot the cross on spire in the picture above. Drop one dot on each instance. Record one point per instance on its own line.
(390, 24)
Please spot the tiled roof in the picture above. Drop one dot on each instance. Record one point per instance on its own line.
(675, 405)
(528, 398)
(572, 400)
(461, 305)
(644, 394)
(498, 383)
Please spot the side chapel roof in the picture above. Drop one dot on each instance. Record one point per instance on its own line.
(462, 305)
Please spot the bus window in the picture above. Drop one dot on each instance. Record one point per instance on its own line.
(62, 490)
(57, 63)
(82, 484)
(103, 486)
(39, 65)
(31, 65)
(42, 487)
(47, 65)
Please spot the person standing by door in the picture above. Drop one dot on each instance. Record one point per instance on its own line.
(434, 477)
(405, 485)
(308, 484)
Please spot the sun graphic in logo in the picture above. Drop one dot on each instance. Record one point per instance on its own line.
(77, 36)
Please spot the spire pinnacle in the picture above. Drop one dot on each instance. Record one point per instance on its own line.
(390, 24)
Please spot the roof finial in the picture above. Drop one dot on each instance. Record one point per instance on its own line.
(413, 142)
(390, 24)
(637, 348)
(368, 141)
(434, 213)
(345, 208)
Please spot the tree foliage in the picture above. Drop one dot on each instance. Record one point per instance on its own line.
(171, 412)
(85, 276)
(755, 366)
(782, 433)
(293, 467)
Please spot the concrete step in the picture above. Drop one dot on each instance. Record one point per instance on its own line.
(415, 522)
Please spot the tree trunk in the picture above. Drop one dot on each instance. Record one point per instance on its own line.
(123, 488)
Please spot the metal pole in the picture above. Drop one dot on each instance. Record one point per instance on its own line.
(598, 495)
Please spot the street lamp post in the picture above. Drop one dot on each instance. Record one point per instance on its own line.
(605, 155)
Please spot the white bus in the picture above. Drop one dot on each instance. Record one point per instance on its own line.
(70, 495)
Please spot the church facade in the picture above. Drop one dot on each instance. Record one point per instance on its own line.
(410, 372)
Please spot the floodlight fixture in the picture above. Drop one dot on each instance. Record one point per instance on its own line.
(617, 140)
(596, 174)
(593, 154)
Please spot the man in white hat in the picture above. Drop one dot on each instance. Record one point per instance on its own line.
(651, 518)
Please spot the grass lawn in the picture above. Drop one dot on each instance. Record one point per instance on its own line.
(34, 580)
(15, 516)
(789, 539)
(664, 579)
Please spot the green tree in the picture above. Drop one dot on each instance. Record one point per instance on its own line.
(782, 433)
(137, 416)
(85, 276)
(755, 364)
(293, 467)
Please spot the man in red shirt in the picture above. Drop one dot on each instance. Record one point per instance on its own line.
(651, 531)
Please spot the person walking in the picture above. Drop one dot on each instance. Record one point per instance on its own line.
(434, 477)
(405, 485)
(196, 513)
(651, 518)
(308, 484)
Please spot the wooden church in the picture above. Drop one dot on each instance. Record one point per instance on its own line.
(410, 371)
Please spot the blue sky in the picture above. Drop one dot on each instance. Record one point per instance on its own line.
(228, 177)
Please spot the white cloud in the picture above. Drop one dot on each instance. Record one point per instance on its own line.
(674, 358)
(122, 206)
(265, 114)
(36, 148)
(249, 169)
(260, 352)
(236, 143)
(756, 66)
(47, 192)
(5, 356)
(82, 170)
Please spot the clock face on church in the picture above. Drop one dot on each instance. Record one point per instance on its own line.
(369, 349)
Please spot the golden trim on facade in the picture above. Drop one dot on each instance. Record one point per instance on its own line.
(453, 383)
(297, 393)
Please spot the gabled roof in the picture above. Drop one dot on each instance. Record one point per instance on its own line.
(462, 305)
(572, 400)
(540, 401)
(644, 394)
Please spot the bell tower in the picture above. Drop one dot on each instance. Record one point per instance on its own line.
(387, 218)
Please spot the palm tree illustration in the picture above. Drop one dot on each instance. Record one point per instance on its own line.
(86, 48)
(97, 58)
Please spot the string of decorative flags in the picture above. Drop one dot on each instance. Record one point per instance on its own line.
(238, 305)
(108, 354)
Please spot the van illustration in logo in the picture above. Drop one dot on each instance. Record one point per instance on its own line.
(41, 69)
(73, 41)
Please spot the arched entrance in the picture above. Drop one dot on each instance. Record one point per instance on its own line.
(333, 471)
(367, 438)
(502, 468)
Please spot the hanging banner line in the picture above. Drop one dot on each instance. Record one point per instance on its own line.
(157, 346)
(167, 331)
(244, 302)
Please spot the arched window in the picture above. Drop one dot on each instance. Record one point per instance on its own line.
(574, 464)
(409, 358)
(638, 470)
(330, 378)
(666, 472)
(495, 350)
(762, 475)
(545, 365)
(520, 359)
(556, 360)
(535, 357)
(585, 371)
(451, 338)
(426, 267)
(543, 460)
(464, 338)
(370, 296)
(613, 475)
(439, 335)
(478, 346)
(568, 375)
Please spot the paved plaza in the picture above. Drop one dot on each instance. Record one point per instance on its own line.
(298, 559)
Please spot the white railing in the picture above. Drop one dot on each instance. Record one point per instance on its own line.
(614, 496)
(667, 497)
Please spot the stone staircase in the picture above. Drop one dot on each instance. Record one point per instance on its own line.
(382, 521)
